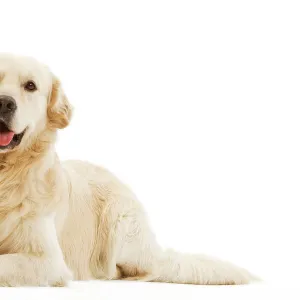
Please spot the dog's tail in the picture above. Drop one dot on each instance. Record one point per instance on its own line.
(175, 267)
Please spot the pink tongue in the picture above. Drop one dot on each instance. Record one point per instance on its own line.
(5, 138)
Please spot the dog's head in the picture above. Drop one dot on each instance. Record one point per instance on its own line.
(31, 102)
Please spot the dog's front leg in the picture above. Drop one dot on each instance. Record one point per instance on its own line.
(34, 256)
(29, 270)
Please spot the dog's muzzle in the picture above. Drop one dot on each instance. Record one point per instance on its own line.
(8, 107)
(8, 138)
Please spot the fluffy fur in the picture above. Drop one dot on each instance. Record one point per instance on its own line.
(74, 220)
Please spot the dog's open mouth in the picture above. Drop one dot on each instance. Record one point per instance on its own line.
(8, 139)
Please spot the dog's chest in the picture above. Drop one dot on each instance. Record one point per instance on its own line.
(13, 191)
(18, 198)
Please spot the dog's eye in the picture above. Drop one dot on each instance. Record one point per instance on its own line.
(30, 86)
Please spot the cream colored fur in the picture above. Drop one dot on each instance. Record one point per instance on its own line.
(74, 220)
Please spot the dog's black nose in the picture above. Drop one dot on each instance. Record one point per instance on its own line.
(7, 105)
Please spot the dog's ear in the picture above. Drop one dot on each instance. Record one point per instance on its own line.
(59, 109)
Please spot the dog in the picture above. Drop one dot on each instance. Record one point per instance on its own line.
(63, 221)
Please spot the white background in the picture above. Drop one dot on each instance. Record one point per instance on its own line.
(194, 104)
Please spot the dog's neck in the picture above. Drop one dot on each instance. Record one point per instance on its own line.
(39, 147)
(29, 183)
(23, 171)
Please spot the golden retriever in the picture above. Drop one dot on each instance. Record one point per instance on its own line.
(72, 220)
